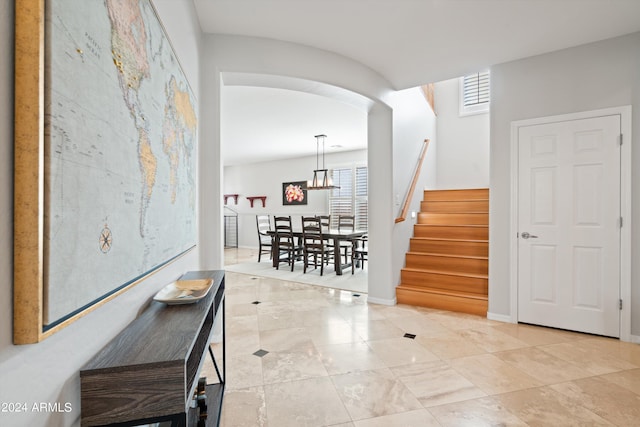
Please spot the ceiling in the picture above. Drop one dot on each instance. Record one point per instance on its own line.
(262, 124)
(412, 42)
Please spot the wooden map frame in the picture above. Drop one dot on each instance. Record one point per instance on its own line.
(28, 264)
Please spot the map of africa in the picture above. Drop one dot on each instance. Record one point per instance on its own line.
(121, 139)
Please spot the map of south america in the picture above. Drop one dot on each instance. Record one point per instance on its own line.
(128, 45)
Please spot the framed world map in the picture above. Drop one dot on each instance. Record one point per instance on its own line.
(116, 140)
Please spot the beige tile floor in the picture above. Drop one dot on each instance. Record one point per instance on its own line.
(334, 360)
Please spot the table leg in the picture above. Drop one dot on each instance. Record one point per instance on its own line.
(336, 257)
(275, 247)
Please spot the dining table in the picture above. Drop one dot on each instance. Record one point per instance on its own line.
(333, 234)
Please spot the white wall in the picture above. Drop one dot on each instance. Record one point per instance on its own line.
(49, 371)
(413, 122)
(266, 178)
(589, 77)
(463, 141)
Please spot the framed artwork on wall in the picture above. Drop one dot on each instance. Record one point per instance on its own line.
(294, 193)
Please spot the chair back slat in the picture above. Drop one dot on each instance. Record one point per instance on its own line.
(346, 223)
(263, 223)
(312, 232)
(283, 230)
(325, 222)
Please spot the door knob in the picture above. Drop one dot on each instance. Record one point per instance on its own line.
(526, 235)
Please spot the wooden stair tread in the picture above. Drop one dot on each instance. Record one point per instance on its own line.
(458, 213)
(443, 292)
(452, 218)
(454, 213)
(453, 205)
(459, 200)
(446, 273)
(447, 255)
(449, 239)
(452, 225)
(460, 190)
(457, 194)
(451, 232)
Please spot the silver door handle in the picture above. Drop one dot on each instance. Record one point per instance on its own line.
(526, 235)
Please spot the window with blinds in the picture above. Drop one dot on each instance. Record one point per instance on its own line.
(351, 197)
(474, 93)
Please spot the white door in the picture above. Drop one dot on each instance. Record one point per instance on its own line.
(569, 225)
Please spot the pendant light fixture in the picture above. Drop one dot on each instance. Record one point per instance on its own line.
(321, 179)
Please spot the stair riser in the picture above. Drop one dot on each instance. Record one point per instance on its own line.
(453, 218)
(447, 232)
(449, 247)
(469, 194)
(447, 264)
(455, 206)
(445, 282)
(441, 302)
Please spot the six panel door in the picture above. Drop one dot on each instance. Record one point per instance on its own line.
(569, 225)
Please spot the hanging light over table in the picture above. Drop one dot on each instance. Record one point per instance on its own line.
(321, 179)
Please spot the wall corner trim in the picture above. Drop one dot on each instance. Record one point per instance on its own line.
(382, 301)
(501, 317)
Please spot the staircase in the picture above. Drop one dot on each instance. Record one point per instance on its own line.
(447, 263)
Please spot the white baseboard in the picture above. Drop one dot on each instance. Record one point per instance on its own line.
(382, 301)
(500, 317)
(634, 339)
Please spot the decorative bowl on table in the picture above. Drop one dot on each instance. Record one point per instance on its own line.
(184, 291)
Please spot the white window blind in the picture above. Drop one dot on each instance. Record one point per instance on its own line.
(351, 197)
(475, 93)
(361, 211)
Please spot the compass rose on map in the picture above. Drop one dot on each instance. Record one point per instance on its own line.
(105, 239)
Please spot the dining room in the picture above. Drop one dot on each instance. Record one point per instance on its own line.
(305, 249)
(268, 172)
(258, 247)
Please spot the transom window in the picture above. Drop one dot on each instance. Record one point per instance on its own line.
(475, 93)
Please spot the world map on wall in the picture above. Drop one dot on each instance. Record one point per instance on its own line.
(120, 151)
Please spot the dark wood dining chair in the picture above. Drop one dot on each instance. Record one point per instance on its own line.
(360, 252)
(325, 225)
(346, 223)
(289, 250)
(265, 240)
(313, 243)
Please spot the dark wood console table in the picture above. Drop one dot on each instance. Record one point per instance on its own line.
(150, 371)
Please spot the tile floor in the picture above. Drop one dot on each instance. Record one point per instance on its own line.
(299, 355)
